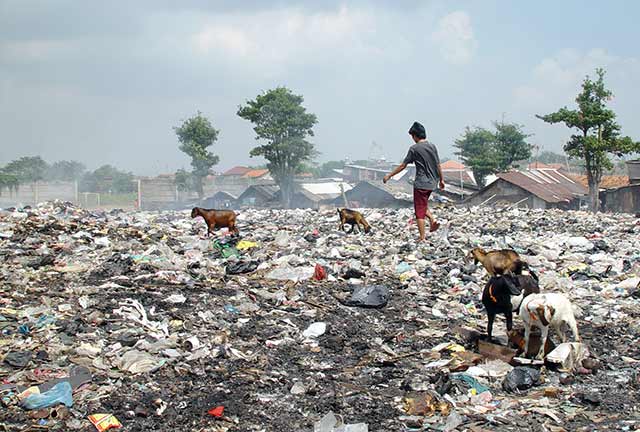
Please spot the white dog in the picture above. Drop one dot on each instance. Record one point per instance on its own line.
(544, 311)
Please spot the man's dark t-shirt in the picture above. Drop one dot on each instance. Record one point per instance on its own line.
(425, 156)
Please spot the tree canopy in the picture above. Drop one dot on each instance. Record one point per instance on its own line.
(510, 144)
(196, 135)
(487, 152)
(65, 170)
(27, 169)
(282, 122)
(598, 133)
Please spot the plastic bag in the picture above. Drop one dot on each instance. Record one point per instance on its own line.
(369, 296)
(521, 378)
(59, 394)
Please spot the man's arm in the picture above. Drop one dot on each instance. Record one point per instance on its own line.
(441, 177)
(397, 170)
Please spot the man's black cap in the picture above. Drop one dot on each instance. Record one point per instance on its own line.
(418, 130)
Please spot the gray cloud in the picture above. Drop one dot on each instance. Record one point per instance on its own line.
(104, 82)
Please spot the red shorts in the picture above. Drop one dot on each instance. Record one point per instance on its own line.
(421, 202)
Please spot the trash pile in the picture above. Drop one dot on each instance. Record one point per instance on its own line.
(136, 320)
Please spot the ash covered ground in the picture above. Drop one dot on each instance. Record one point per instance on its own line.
(152, 308)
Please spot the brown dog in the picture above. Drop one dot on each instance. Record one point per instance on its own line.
(216, 219)
(353, 218)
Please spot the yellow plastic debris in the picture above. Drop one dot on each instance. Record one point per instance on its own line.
(454, 347)
(246, 244)
(103, 422)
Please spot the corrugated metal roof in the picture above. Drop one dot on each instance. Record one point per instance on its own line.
(547, 184)
(454, 177)
(398, 176)
(222, 194)
(607, 182)
(269, 191)
(325, 187)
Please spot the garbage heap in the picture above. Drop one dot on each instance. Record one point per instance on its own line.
(137, 320)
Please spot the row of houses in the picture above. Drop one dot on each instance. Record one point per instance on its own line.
(536, 186)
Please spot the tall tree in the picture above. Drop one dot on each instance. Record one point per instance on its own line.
(511, 144)
(65, 170)
(487, 152)
(8, 181)
(476, 149)
(280, 119)
(27, 169)
(196, 135)
(598, 133)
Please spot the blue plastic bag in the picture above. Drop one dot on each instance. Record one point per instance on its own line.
(59, 394)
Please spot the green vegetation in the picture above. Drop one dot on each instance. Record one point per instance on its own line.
(488, 152)
(196, 135)
(598, 133)
(280, 119)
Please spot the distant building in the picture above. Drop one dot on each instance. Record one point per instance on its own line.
(357, 173)
(318, 194)
(536, 188)
(238, 171)
(607, 182)
(459, 181)
(625, 198)
(540, 165)
(266, 195)
(256, 174)
(376, 194)
(220, 200)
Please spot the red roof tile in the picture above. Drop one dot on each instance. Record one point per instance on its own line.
(452, 165)
(256, 173)
(237, 170)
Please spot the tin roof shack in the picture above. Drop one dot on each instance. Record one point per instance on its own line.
(220, 200)
(319, 194)
(370, 194)
(624, 199)
(538, 188)
(355, 173)
(260, 196)
(459, 181)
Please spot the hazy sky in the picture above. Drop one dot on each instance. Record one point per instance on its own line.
(105, 81)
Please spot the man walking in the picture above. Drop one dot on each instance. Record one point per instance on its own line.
(425, 157)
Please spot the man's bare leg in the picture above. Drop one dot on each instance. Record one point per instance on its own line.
(421, 229)
(433, 225)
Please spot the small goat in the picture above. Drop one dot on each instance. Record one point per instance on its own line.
(353, 218)
(498, 262)
(544, 311)
(216, 219)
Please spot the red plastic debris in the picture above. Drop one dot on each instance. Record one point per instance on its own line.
(216, 412)
(320, 273)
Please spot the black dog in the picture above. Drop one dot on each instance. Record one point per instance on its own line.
(497, 294)
(496, 299)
